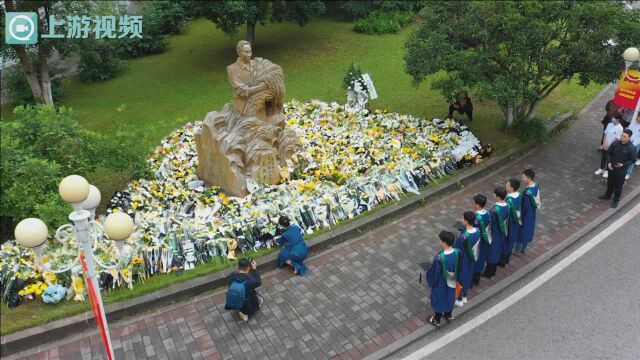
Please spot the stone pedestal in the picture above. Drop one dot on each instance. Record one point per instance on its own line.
(214, 167)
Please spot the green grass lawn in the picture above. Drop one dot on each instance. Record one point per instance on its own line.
(161, 92)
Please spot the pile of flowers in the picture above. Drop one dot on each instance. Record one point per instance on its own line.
(349, 163)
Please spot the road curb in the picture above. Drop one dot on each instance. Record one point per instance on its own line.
(37, 336)
(508, 281)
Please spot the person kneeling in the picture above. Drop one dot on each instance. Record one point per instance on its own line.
(294, 249)
(241, 293)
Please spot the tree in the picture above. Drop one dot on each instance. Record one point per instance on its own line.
(34, 58)
(517, 53)
(229, 15)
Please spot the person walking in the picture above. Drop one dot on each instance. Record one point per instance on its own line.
(620, 155)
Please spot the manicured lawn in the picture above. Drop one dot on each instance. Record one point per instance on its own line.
(161, 92)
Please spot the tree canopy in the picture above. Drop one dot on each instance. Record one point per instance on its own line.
(230, 15)
(517, 52)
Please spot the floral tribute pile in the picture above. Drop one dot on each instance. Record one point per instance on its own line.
(349, 164)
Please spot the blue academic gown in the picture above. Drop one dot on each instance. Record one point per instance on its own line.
(442, 294)
(466, 243)
(483, 218)
(294, 249)
(528, 215)
(513, 224)
(498, 237)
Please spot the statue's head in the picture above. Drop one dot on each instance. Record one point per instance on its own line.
(243, 48)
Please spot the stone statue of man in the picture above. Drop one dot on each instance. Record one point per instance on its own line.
(250, 132)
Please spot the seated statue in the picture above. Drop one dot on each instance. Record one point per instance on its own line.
(247, 138)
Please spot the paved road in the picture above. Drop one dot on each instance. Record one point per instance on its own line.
(588, 311)
(364, 295)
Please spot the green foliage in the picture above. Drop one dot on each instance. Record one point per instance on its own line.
(533, 131)
(517, 53)
(99, 60)
(354, 74)
(161, 18)
(167, 17)
(42, 145)
(229, 15)
(382, 22)
(356, 9)
(19, 91)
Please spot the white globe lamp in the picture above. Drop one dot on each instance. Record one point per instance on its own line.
(631, 55)
(74, 189)
(118, 226)
(31, 232)
(93, 200)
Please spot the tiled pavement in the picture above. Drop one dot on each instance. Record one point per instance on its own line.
(364, 295)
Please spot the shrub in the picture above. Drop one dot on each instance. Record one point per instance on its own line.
(18, 88)
(357, 9)
(381, 22)
(531, 131)
(99, 61)
(41, 146)
(161, 18)
(167, 17)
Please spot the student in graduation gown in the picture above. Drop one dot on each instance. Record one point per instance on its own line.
(442, 278)
(468, 244)
(499, 217)
(514, 200)
(294, 249)
(483, 223)
(530, 204)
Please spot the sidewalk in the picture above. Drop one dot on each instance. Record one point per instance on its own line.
(362, 295)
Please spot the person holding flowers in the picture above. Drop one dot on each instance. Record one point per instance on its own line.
(294, 249)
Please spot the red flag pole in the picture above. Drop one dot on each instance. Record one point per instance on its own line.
(96, 306)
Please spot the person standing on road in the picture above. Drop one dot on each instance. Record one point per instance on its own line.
(468, 244)
(483, 223)
(611, 134)
(514, 200)
(530, 205)
(241, 292)
(620, 155)
(442, 278)
(499, 219)
(635, 141)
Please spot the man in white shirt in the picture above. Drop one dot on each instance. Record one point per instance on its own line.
(635, 141)
(611, 134)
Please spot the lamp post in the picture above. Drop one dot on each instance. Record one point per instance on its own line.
(85, 198)
(632, 57)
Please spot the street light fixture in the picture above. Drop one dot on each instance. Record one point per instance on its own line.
(631, 57)
(85, 198)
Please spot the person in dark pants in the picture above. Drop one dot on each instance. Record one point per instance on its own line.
(248, 275)
(442, 278)
(610, 109)
(463, 105)
(620, 155)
